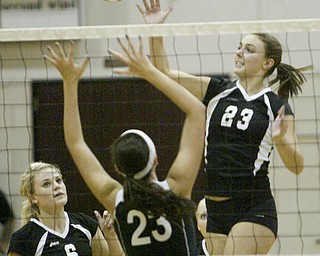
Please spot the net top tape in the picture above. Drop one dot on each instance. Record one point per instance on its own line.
(170, 29)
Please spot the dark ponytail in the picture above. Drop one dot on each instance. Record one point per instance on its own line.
(152, 199)
(290, 79)
(130, 155)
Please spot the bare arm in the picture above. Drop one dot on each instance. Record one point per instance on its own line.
(285, 138)
(101, 184)
(99, 245)
(106, 225)
(152, 14)
(182, 174)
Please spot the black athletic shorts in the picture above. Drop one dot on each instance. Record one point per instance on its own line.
(223, 215)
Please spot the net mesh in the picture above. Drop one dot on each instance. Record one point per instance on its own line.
(197, 48)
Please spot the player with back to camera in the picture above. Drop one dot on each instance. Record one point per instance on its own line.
(244, 120)
(47, 229)
(151, 217)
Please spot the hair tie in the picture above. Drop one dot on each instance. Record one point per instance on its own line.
(152, 152)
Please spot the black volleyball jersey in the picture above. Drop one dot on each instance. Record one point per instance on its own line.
(34, 238)
(145, 235)
(202, 248)
(238, 139)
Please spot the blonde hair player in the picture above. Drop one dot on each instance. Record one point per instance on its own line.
(47, 229)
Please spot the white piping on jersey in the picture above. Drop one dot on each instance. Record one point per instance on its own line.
(83, 230)
(185, 236)
(210, 108)
(41, 244)
(265, 146)
(62, 235)
(204, 247)
(254, 96)
(66, 229)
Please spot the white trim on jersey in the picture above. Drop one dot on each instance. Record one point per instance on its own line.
(265, 146)
(41, 244)
(185, 237)
(210, 108)
(204, 247)
(62, 235)
(251, 97)
(85, 231)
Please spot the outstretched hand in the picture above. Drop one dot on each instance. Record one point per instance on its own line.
(64, 63)
(138, 64)
(152, 14)
(105, 224)
(280, 125)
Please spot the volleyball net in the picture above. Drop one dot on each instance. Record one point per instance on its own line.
(31, 104)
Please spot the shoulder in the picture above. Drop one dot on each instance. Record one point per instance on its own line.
(276, 102)
(84, 220)
(216, 86)
(80, 217)
(28, 230)
(24, 241)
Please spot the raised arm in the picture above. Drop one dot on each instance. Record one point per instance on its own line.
(109, 232)
(183, 173)
(152, 14)
(286, 141)
(100, 183)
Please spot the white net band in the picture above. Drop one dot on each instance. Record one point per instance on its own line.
(180, 29)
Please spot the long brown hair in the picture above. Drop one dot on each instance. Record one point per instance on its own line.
(130, 155)
(290, 79)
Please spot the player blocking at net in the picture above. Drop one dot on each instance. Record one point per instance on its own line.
(244, 120)
(151, 217)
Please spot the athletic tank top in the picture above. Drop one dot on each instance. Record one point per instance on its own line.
(144, 235)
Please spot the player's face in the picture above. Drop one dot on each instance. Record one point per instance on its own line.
(50, 192)
(250, 58)
(201, 216)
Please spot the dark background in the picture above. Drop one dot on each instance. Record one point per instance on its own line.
(107, 107)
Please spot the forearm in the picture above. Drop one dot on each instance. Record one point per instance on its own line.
(115, 247)
(158, 55)
(174, 91)
(197, 85)
(72, 124)
(291, 155)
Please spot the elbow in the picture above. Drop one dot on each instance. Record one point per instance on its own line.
(297, 167)
(202, 113)
(71, 144)
(296, 170)
(300, 168)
